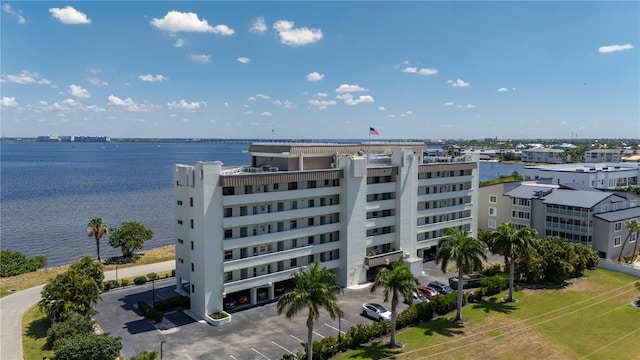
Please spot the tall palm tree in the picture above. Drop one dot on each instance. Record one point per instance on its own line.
(315, 287)
(467, 252)
(397, 282)
(512, 243)
(634, 227)
(97, 229)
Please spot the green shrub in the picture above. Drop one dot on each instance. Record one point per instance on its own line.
(73, 324)
(155, 315)
(15, 263)
(110, 284)
(323, 349)
(125, 282)
(493, 269)
(152, 276)
(444, 304)
(425, 311)
(358, 335)
(90, 347)
(140, 280)
(494, 284)
(173, 303)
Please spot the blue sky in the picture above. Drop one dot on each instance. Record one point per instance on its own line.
(309, 70)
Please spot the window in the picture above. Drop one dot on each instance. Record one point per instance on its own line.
(180, 241)
(294, 205)
(311, 184)
(311, 203)
(492, 211)
(633, 237)
(293, 262)
(493, 199)
(280, 206)
(293, 224)
(193, 288)
(193, 267)
(243, 211)
(293, 186)
(228, 190)
(616, 241)
(192, 245)
(276, 186)
(492, 224)
(228, 254)
(228, 212)
(179, 222)
(181, 260)
(311, 259)
(310, 221)
(618, 226)
(311, 240)
(228, 233)
(191, 223)
(180, 202)
(191, 201)
(294, 243)
(229, 275)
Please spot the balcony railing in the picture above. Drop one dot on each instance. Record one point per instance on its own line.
(382, 259)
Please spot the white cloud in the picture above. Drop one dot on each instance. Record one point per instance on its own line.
(448, 104)
(151, 78)
(114, 100)
(277, 102)
(245, 106)
(288, 104)
(322, 104)
(97, 82)
(614, 47)
(25, 77)
(381, 108)
(296, 37)
(468, 106)
(251, 98)
(408, 112)
(9, 101)
(423, 71)
(502, 89)
(69, 15)
(179, 42)
(458, 83)
(265, 113)
(11, 11)
(226, 104)
(314, 76)
(244, 60)
(321, 95)
(184, 105)
(262, 96)
(176, 21)
(350, 88)
(200, 58)
(344, 96)
(391, 116)
(79, 92)
(361, 99)
(95, 108)
(259, 26)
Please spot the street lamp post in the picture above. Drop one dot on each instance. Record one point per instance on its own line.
(116, 275)
(153, 294)
(161, 343)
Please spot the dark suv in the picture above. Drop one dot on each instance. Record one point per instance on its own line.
(442, 288)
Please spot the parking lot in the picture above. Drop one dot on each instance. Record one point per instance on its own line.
(256, 332)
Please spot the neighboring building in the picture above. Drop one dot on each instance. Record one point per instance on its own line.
(590, 217)
(67, 138)
(548, 156)
(606, 155)
(597, 176)
(242, 231)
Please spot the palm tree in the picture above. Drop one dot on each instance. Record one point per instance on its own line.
(634, 227)
(97, 228)
(397, 282)
(467, 252)
(511, 243)
(315, 287)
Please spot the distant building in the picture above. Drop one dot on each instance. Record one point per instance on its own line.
(548, 156)
(54, 138)
(242, 231)
(606, 155)
(590, 217)
(593, 175)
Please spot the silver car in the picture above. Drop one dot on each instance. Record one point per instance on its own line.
(376, 311)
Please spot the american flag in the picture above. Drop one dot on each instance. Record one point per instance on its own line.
(373, 131)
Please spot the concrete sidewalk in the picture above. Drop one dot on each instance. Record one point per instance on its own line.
(13, 307)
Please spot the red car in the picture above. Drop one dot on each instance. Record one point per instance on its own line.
(428, 292)
(243, 299)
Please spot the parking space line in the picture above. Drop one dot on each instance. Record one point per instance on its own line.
(334, 328)
(323, 336)
(282, 347)
(233, 357)
(261, 354)
(297, 338)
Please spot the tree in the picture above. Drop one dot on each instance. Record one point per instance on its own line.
(90, 347)
(97, 229)
(633, 226)
(315, 288)
(130, 237)
(512, 243)
(397, 282)
(15, 263)
(467, 252)
(76, 290)
(73, 324)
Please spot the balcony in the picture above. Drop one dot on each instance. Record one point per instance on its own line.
(382, 259)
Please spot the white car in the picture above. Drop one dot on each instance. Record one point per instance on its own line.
(376, 311)
(416, 298)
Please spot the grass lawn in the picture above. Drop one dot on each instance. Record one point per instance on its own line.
(34, 330)
(16, 283)
(591, 318)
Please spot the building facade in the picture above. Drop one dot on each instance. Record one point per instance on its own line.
(603, 176)
(241, 232)
(548, 156)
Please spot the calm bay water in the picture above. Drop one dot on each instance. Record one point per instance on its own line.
(50, 191)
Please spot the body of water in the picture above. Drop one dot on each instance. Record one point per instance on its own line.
(50, 191)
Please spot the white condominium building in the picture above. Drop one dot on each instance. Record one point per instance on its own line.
(242, 231)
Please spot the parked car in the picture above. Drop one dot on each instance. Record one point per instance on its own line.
(376, 311)
(428, 292)
(441, 288)
(243, 299)
(262, 295)
(229, 304)
(416, 298)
